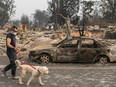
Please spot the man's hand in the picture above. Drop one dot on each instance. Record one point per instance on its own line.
(17, 50)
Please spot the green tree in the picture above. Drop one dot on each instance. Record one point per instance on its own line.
(64, 7)
(6, 10)
(40, 18)
(24, 19)
(109, 10)
(15, 22)
(86, 14)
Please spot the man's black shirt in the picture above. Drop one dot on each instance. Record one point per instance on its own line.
(13, 42)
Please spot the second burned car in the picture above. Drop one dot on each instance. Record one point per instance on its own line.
(73, 49)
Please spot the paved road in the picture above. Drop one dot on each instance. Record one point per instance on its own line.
(68, 75)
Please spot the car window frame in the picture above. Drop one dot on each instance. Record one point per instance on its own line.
(94, 45)
(76, 45)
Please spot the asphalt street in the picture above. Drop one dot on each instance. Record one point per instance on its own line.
(66, 75)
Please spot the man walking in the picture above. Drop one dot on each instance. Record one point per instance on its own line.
(11, 52)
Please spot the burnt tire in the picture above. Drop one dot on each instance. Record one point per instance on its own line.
(103, 60)
(44, 59)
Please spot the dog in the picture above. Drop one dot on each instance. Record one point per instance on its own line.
(35, 72)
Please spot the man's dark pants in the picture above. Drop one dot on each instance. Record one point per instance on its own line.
(12, 57)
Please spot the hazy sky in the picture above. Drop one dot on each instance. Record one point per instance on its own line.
(28, 7)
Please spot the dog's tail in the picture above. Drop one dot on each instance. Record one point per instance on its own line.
(18, 63)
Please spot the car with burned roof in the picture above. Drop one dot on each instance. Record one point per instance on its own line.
(73, 49)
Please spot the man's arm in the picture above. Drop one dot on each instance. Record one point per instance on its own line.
(8, 41)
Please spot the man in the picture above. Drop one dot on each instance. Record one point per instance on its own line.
(11, 52)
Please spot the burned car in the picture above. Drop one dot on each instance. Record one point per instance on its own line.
(73, 49)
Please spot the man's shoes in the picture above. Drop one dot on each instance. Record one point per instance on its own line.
(4, 72)
(15, 78)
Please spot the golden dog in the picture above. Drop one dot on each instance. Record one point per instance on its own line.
(34, 72)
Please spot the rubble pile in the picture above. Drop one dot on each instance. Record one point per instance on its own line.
(25, 41)
(2, 42)
(32, 39)
(109, 42)
(110, 34)
(29, 40)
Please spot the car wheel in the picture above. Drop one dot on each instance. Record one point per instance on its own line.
(103, 60)
(44, 59)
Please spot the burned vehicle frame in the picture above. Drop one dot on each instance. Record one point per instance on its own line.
(73, 49)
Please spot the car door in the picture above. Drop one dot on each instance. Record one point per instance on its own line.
(87, 50)
(67, 51)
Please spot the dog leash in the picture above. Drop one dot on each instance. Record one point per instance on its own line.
(21, 57)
